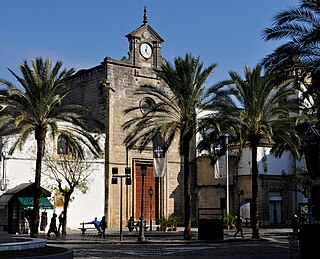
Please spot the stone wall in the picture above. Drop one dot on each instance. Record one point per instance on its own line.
(210, 191)
(124, 80)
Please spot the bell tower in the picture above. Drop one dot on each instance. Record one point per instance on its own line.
(145, 45)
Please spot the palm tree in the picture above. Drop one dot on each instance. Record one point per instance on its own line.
(250, 109)
(173, 113)
(36, 108)
(301, 27)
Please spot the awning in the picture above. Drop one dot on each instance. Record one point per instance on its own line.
(275, 198)
(4, 199)
(28, 202)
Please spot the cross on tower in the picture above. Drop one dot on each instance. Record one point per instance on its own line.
(158, 150)
(145, 18)
(218, 147)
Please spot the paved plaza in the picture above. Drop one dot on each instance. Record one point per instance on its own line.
(113, 236)
(274, 243)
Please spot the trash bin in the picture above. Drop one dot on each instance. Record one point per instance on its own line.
(210, 229)
(210, 224)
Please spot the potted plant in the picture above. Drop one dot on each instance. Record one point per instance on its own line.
(163, 222)
(229, 221)
(173, 222)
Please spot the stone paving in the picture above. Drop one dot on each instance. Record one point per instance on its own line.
(113, 236)
(275, 241)
(172, 244)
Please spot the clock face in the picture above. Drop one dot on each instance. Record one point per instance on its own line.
(145, 50)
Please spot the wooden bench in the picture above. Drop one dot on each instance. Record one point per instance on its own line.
(83, 228)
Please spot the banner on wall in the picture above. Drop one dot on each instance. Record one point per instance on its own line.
(159, 157)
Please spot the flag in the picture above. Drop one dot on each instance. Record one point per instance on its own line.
(220, 147)
(159, 159)
(0, 148)
(216, 169)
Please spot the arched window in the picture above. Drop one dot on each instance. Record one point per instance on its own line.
(64, 145)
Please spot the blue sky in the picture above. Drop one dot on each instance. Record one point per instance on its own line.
(81, 33)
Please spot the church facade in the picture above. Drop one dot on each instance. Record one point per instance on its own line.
(108, 89)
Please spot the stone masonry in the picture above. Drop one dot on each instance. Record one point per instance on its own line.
(125, 76)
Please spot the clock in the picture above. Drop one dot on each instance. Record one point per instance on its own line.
(145, 50)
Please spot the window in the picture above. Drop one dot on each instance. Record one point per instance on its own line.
(146, 104)
(63, 145)
(223, 203)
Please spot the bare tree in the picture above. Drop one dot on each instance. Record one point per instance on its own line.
(70, 174)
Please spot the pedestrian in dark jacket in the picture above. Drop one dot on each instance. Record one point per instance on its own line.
(131, 224)
(103, 226)
(295, 224)
(239, 227)
(53, 225)
(62, 218)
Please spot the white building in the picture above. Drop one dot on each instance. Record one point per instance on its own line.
(20, 168)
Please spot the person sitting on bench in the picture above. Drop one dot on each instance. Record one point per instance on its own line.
(96, 224)
(131, 224)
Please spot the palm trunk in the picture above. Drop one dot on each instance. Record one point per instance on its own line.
(315, 85)
(187, 206)
(40, 137)
(254, 212)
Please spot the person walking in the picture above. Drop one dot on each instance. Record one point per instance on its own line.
(295, 224)
(239, 227)
(103, 226)
(62, 218)
(53, 225)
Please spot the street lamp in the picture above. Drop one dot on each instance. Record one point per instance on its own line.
(114, 180)
(240, 192)
(150, 193)
(227, 173)
(3, 183)
(141, 236)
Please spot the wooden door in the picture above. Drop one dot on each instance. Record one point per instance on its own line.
(150, 204)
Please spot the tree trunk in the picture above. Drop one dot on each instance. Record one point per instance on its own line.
(65, 209)
(186, 173)
(315, 86)
(254, 212)
(104, 110)
(312, 156)
(40, 137)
